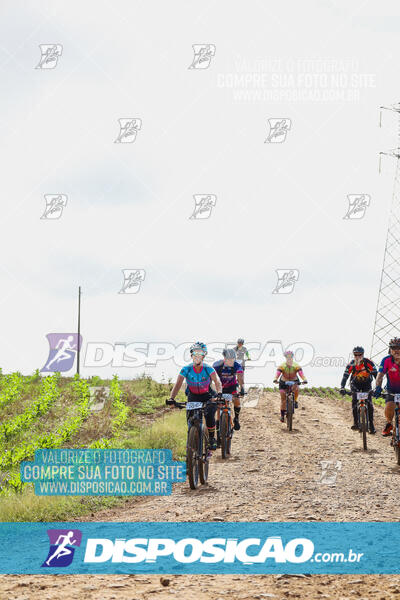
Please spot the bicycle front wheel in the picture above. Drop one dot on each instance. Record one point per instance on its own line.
(223, 428)
(203, 454)
(363, 425)
(289, 414)
(192, 462)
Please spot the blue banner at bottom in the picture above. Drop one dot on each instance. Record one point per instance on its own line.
(208, 548)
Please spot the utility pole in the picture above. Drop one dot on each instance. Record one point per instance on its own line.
(387, 316)
(79, 331)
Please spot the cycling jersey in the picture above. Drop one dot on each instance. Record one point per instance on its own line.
(289, 372)
(360, 375)
(227, 375)
(197, 383)
(392, 371)
(242, 354)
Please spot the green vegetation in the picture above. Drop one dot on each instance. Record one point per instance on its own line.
(54, 412)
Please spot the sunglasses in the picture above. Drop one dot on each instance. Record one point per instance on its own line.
(199, 353)
(357, 354)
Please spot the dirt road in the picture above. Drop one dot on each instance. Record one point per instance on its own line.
(272, 475)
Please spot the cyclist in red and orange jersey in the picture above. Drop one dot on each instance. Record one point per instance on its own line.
(361, 372)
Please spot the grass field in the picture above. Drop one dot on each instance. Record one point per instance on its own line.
(54, 412)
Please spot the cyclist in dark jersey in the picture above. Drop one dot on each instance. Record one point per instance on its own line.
(361, 372)
(390, 366)
(198, 377)
(230, 373)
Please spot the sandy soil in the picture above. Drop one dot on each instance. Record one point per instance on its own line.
(273, 475)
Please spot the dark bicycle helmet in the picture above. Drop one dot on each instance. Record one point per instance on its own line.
(394, 343)
(358, 349)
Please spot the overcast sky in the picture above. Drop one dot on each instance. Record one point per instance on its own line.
(325, 65)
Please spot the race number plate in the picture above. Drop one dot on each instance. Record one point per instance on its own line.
(396, 397)
(227, 397)
(362, 395)
(193, 405)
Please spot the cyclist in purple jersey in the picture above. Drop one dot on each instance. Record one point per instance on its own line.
(390, 366)
(198, 377)
(230, 373)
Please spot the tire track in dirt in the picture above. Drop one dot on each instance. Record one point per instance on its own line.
(273, 475)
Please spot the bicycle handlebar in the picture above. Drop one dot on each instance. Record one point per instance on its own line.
(350, 393)
(389, 394)
(179, 405)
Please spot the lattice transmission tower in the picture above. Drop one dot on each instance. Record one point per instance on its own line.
(387, 317)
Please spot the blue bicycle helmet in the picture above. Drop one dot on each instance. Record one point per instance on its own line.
(198, 346)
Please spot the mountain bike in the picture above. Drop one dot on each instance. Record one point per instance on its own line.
(198, 452)
(225, 424)
(362, 410)
(395, 441)
(290, 402)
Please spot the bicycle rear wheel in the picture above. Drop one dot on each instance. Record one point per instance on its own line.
(397, 448)
(289, 413)
(223, 428)
(192, 462)
(363, 426)
(203, 454)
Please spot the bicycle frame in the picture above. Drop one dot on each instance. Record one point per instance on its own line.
(196, 419)
(225, 424)
(225, 406)
(290, 400)
(362, 410)
(197, 449)
(289, 391)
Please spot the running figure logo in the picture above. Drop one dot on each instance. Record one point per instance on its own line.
(357, 206)
(63, 348)
(55, 204)
(128, 129)
(132, 280)
(286, 280)
(203, 54)
(278, 129)
(61, 552)
(203, 205)
(50, 54)
(329, 471)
